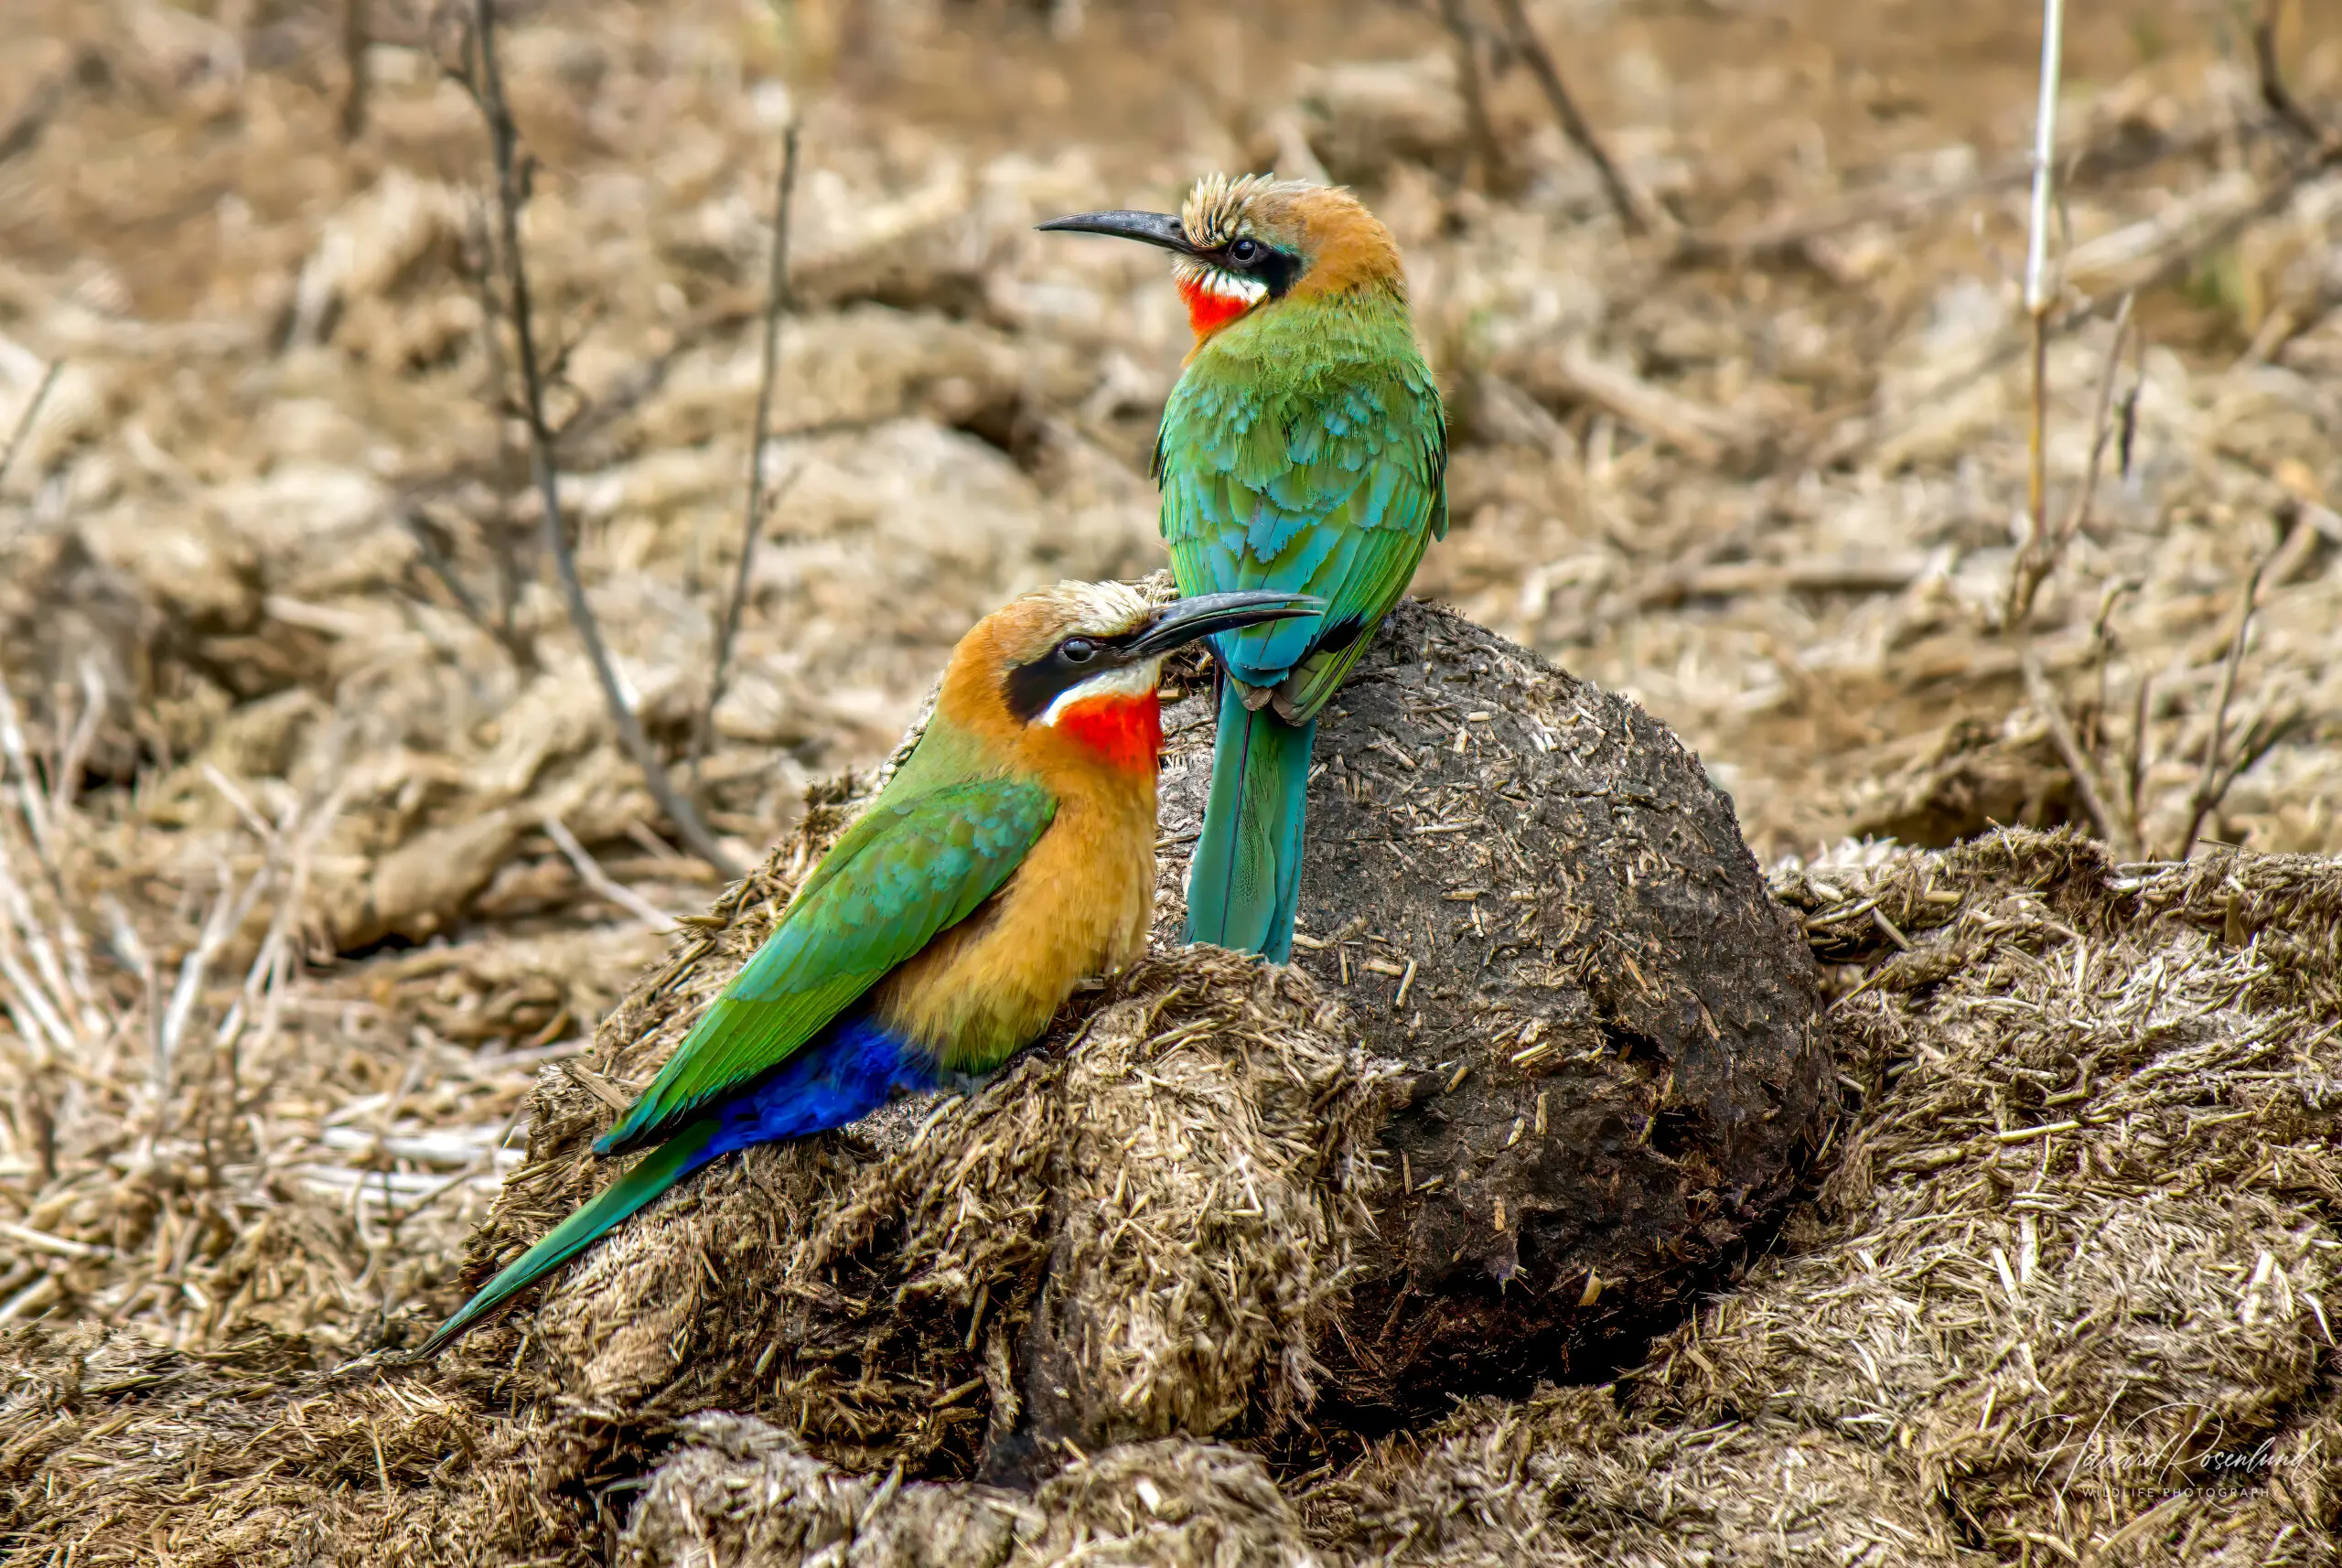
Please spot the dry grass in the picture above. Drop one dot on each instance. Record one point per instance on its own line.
(1188, 1165)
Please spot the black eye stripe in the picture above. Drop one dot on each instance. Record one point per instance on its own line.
(1029, 689)
(1277, 268)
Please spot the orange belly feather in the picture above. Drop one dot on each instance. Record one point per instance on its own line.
(1080, 904)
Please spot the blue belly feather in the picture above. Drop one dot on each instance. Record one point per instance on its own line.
(850, 1070)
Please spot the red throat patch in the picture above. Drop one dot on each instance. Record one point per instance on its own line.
(1125, 732)
(1207, 311)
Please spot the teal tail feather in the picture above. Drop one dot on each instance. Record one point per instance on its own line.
(661, 1168)
(1246, 876)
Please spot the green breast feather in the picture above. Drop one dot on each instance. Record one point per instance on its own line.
(1306, 451)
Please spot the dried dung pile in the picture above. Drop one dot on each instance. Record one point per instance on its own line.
(1177, 1182)
(2061, 1294)
(2060, 1284)
(1180, 1178)
(1539, 906)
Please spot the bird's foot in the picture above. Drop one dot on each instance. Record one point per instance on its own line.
(965, 1084)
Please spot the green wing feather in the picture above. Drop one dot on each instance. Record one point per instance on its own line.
(1304, 449)
(1317, 466)
(907, 870)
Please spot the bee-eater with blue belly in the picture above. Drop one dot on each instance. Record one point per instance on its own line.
(1012, 855)
(1304, 448)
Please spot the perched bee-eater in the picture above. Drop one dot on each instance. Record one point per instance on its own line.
(1304, 448)
(1012, 855)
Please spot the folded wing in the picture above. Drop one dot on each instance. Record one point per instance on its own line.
(904, 873)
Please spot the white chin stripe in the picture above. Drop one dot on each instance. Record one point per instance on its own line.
(1130, 681)
(1244, 291)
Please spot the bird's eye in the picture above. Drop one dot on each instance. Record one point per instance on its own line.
(1244, 251)
(1078, 649)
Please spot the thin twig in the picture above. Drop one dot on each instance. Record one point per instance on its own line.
(355, 36)
(503, 140)
(2077, 763)
(1574, 123)
(274, 966)
(53, 996)
(2210, 786)
(590, 872)
(2252, 739)
(499, 529)
(2103, 638)
(30, 1008)
(430, 551)
(31, 798)
(2034, 566)
(65, 784)
(2037, 309)
(1495, 174)
(25, 419)
(229, 912)
(752, 521)
(2126, 412)
(2101, 428)
(2278, 96)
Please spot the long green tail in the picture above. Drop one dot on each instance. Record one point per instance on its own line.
(1246, 876)
(657, 1171)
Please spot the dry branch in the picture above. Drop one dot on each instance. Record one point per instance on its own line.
(2042, 552)
(752, 517)
(1705, 434)
(2087, 788)
(1818, 574)
(589, 871)
(480, 264)
(503, 141)
(2212, 781)
(1495, 172)
(1574, 125)
(25, 419)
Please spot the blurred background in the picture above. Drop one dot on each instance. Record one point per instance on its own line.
(318, 840)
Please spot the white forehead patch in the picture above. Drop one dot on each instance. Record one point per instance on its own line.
(1215, 209)
(1125, 680)
(1096, 609)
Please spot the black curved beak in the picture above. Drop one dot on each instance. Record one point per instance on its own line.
(1148, 228)
(1184, 620)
